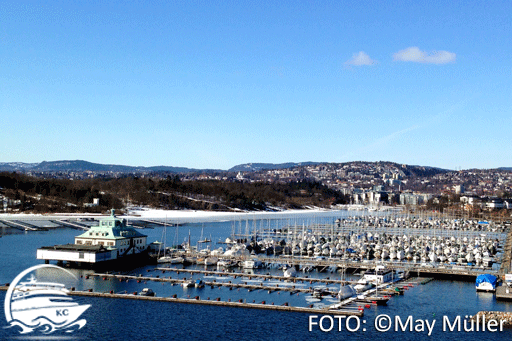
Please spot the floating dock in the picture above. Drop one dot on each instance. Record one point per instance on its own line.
(507, 255)
(243, 285)
(440, 271)
(503, 292)
(73, 225)
(216, 302)
(23, 226)
(311, 280)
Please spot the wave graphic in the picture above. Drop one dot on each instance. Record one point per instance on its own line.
(45, 326)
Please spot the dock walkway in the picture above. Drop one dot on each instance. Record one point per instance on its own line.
(217, 302)
(243, 285)
(70, 224)
(505, 267)
(416, 268)
(237, 304)
(20, 226)
(260, 276)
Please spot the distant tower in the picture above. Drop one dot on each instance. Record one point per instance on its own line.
(459, 189)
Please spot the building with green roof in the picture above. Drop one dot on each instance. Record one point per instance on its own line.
(112, 239)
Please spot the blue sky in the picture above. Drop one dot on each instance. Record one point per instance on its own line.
(217, 83)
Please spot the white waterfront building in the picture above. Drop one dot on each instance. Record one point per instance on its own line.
(110, 240)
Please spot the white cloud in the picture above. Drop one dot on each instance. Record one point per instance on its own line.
(414, 54)
(359, 59)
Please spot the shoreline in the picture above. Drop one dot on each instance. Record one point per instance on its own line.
(193, 215)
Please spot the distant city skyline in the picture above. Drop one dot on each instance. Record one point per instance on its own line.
(213, 85)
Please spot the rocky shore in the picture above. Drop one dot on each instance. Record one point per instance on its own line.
(499, 316)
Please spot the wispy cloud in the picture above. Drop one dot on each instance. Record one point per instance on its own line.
(385, 141)
(360, 58)
(414, 54)
(379, 143)
(390, 137)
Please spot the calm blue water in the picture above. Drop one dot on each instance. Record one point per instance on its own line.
(117, 319)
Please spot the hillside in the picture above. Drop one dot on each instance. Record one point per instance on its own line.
(38, 195)
(85, 166)
(255, 167)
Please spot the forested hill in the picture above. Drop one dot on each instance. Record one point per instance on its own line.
(85, 166)
(31, 194)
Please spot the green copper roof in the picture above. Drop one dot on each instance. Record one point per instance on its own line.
(111, 228)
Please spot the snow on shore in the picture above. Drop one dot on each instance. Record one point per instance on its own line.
(184, 216)
(192, 215)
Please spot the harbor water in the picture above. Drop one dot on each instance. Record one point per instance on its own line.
(438, 304)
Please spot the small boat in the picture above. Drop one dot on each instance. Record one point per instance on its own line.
(381, 274)
(210, 261)
(188, 283)
(253, 263)
(379, 300)
(170, 260)
(487, 261)
(363, 285)
(199, 284)
(189, 260)
(147, 292)
(486, 282)
(289, 271)
(319, 292)
(225, 263)
(346, 291)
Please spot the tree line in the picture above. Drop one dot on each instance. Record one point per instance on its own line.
(64, 195)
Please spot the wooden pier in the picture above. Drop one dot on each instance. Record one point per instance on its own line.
(237, 304)
(242, 285)
(504, 292)
(217, 302)
(73, 225)
(311, 280)
(20, 226)
(505, 267)
(439, 271)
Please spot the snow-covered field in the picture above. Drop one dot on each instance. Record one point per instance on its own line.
(191, 215)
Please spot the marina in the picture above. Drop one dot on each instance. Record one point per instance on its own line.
(319, 285)
(425, 246)
(400, 240)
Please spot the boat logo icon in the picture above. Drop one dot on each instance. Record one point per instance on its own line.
(42, 306)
